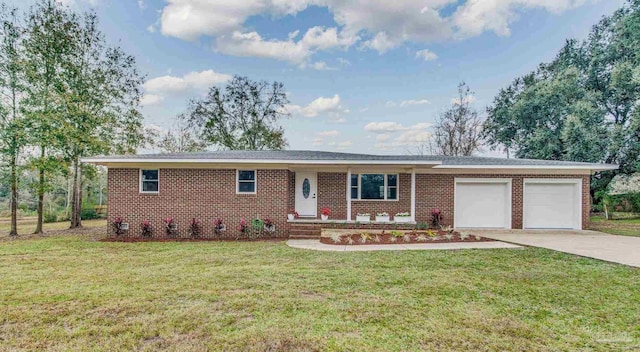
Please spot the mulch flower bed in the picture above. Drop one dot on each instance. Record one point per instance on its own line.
(186, 239)
(400, 237)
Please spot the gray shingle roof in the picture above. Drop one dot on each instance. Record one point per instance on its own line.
(301, 155)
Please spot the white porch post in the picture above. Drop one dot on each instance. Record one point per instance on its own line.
(349, 194)
(413, 194)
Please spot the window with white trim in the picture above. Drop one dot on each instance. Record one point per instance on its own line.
(374, 186)
(246, 181)
(149, 180)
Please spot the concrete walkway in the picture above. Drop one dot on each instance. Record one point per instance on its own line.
(316, 245)
(592, 244)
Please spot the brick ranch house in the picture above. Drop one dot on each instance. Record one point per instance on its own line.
(471, 192)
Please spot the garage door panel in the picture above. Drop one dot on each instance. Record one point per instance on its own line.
(482, 205)
(551, 205)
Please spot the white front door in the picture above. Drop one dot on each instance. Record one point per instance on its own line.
(306, 193)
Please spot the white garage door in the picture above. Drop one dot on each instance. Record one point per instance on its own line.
(552, 204)
(483, 204)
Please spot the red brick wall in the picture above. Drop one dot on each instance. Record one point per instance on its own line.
(432, 191)
(205, 194)
(437, 191)
(208, 194)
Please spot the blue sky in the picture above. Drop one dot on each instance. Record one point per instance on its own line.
(362, 76)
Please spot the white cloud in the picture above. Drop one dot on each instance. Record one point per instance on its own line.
(376, 25)
(252, 44)
(388, 137)
(151, 99)
(321, 66)
(157, 89)
(406, 103)
(384, 127)
(317, 142)
(331, 133)
(319, 106)
(478, 16)
(382, 138)
(426, 55)
(191, 81)
(142, 5)
(151, 28)
(410, 102)
(343, 61)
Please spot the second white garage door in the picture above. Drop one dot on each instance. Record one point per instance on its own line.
(552, 204)
(482, 203)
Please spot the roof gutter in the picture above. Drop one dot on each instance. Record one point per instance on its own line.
(259, 161)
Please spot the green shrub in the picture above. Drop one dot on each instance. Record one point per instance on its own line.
(50, 217)
(89, 214)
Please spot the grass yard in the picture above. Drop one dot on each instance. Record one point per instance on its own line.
(75, 293)
(626, 226)
(27, 225)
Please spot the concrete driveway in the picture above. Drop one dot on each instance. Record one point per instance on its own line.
(592, 244)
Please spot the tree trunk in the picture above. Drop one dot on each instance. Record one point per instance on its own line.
(40, 194)
(76, 202)
(14, 198)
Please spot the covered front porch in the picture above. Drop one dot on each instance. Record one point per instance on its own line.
(379, 195)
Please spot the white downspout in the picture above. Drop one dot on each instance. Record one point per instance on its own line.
(349, 194)
(413, 194)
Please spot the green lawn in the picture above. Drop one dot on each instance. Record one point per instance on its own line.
(27, 225)
(622, 225)
(75, 293)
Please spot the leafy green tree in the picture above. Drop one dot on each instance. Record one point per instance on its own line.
(47, 45)
(582, 106)
(12, 135)
(243, 116)
(100, 99)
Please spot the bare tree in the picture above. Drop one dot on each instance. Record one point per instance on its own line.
(179, 139)
(457, 130)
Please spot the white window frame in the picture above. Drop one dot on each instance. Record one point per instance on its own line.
(140, 182)
(255, 181)
(386, 187)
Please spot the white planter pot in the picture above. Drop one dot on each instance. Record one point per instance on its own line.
(324, 217)
(360, 218)
(402, 219)
(382, 218)
(291, 217)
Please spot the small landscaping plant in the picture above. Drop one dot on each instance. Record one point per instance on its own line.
(218, 227)
(269, 226)
(243, 229)
(195, 228)
(147, 230)
(117, 226)
(395, 236)
(325, 211)
(436, 218)
(171, 227)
